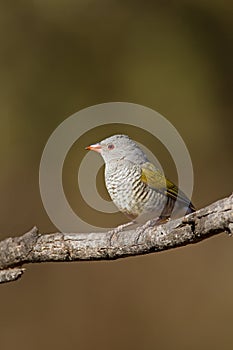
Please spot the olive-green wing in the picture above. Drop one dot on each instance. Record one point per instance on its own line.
(153, 177)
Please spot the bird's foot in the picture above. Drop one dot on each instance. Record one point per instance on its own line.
(157, 221)
(162, 219)
(117, 230)
(121, 228)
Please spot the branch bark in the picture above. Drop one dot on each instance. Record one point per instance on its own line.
(33, 247)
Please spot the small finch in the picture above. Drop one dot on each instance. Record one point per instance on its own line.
(136, 186)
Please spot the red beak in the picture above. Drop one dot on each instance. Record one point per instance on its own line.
(96, 147)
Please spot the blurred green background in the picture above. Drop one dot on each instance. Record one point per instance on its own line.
(57, 57)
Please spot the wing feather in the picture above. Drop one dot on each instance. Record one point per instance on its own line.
(155, 179)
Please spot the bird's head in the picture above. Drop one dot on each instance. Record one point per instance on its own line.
(119, 147)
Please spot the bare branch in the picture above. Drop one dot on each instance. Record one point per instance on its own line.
(33, 247)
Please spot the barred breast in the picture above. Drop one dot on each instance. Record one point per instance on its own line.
(132, 196)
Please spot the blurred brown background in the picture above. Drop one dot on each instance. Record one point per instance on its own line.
(57, 57)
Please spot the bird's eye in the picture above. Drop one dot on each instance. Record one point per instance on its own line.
(111, 146)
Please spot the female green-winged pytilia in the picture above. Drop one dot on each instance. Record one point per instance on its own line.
(136, 186)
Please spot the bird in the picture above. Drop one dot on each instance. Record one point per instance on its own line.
(136, 186)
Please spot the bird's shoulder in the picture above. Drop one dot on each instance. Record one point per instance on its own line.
(152, 176)
(155, 179)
